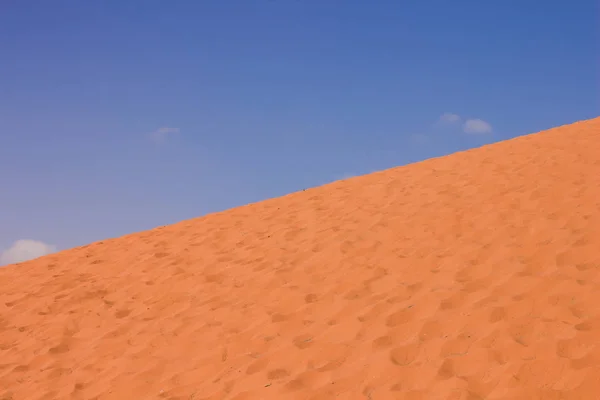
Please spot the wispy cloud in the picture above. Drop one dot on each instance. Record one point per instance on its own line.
(161, 134)
(477, 126)
(449, 118)
(24, 250)
(471, 125)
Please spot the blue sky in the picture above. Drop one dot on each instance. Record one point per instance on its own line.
(120, 116)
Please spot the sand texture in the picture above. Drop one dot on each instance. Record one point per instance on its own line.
(467, 277)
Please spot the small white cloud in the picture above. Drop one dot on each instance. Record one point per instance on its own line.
(477, 126)
(24, 250)
(161, 134)
(449, 118)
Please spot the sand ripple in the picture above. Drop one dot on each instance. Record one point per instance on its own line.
(472, 276)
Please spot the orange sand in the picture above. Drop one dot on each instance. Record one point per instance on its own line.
(472, 276)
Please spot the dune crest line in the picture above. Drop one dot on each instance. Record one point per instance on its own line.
(470, 276)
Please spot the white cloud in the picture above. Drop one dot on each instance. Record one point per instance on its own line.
(477, 126)
(161, 134)
(449, 118)
(24, 250)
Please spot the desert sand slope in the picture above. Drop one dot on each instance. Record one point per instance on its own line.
(472, 276)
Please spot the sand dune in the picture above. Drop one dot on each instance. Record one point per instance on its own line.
(471, 276)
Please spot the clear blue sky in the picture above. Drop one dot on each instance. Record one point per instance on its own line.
(269, 97)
